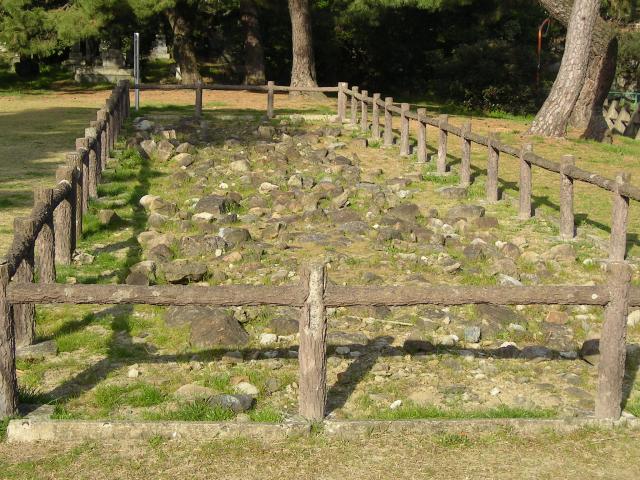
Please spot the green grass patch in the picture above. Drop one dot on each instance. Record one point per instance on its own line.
(198, 411)
(265, 415)
(411, 411)
(110, 397)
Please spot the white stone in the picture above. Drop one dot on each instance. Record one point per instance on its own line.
(342, 350)
(633, 318)
(395, 405)
(266, 187)
(268, 338)
(203, 217)
(246, 388)
(134, 371)
(146, 201)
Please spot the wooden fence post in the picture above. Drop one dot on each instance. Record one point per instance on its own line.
(375, 117)
(8, 378)
(364, 111)
(313, 347)
(342, 101)
(94, 157)
(404, 130)
(24, 314)
(354, 106)
(618, 241)
(492, 170)
(441, 166)
(465, 157)
(270, 99)
(62, 219)
(82, 148)
(422, 136)
(104, 138)
(45, 242)
(612, 343)
(198, 99)
(567, 221)
(74, 160)
(388, 122)
(526, 186)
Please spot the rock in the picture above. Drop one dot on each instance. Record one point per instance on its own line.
(216, 327)
(246, 388)
(633, 318)
(282, 325)
(235, 236)
(184, 271)
(157, 220)
(467, 212)
(266, 187)
(496, 318)
(407, 212)
(562, 252)
(342, 350)
(164, 150)
(590, 351)
(83, 258)
(37, 351)
(215, 204)
(472, 334)
(485, 223)
(185, 148)
(160, 253)
(266, 132)
(149, 147)
(161, 206)
(142, 273)
(416, 344)
(240, 166)
(144, 125)
(192, 392)
(236, 403)
(145, 201)
(557, 317)
(536, 351)
(184, 159)
(346, 338)
(268, 338)
(395, 405)
(133, 371)
(108, 217)
(455, 193)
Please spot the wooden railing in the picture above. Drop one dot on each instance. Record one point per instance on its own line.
(49, 235)
(58, 213)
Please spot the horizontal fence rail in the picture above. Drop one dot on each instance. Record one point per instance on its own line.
(50, 233)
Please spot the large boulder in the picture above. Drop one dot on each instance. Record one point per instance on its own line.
(184, 271)
(215, 204)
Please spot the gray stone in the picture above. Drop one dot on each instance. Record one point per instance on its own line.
(455, 193)
(216, 327)
(465, 211)
(184, 159)
(164, 150)
(536, 351)
(237, 403)
(282, 325)
(215, 204)
(184, 271)
(192, 392)
(235, 236)
(47, 349)
(108, 217)
(472, 334)
(407, 212)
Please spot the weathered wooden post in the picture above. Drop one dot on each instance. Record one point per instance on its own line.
(354, 106)
(465, 156)
(422, 136)
(94, 134)
(198, 99)
(375, 117)
(612, 343)
(342, 101)
(110, 123)
(388, 122)
(95, 170)
(404, 130)
(62, 219)
(74, 160)
(24, 314)
(8, 378)
(82, 147)
(619, 218)
(270, 99)
(313, 347)
(492, 169)
(567, 221)
(526, 185)
(441, 165)
(104, 138)
(45, 242)
(364, 111)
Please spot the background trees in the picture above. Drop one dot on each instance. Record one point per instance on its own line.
(480, 54)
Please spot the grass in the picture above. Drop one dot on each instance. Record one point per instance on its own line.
(110, 397)
(197, 411)
(411, 411)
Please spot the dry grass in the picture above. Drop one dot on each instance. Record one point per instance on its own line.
(587, 454)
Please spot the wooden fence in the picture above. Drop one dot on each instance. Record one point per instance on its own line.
(56, 223)
(622, 117)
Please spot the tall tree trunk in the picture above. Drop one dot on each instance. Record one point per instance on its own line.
(303, 72)
(553, 117)
(253, 51)
(183, 49)
(587, 113)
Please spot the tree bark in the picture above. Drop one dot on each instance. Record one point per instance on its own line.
(587, 113)
(183, 48)
(303, 71)
(553, 118)
(254, 73)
